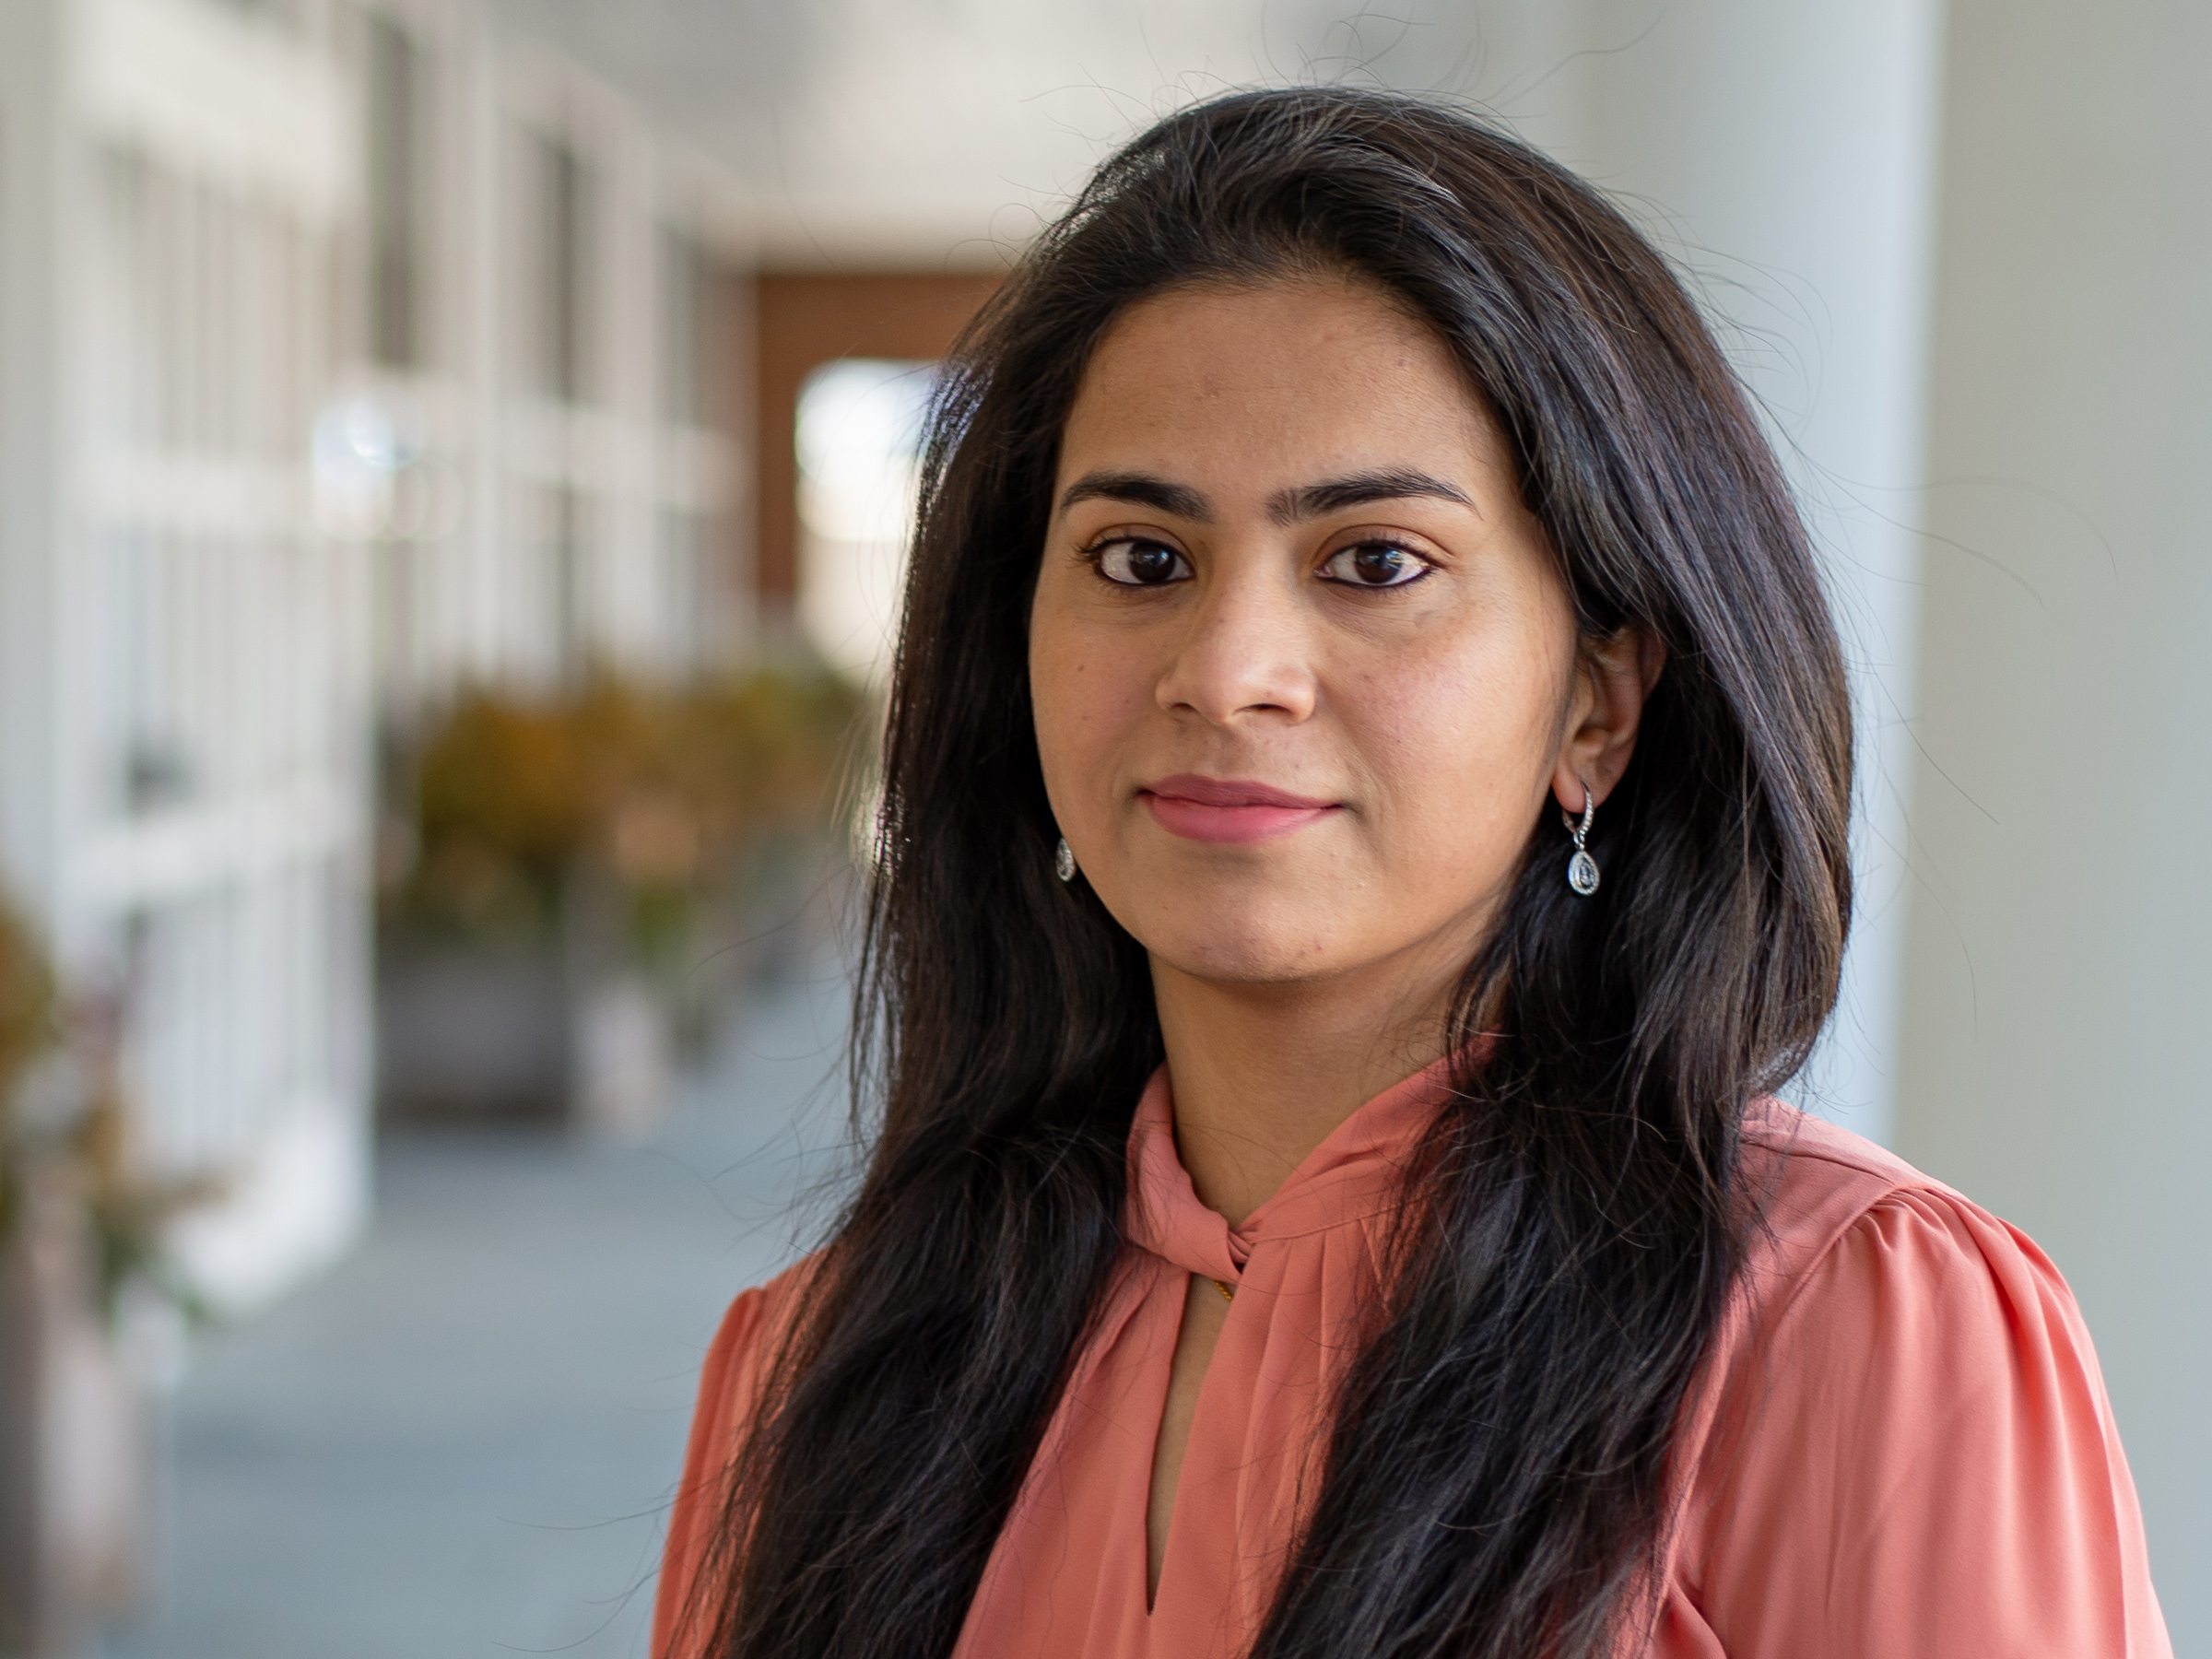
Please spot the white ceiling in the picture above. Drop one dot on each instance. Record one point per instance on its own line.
(876, 131)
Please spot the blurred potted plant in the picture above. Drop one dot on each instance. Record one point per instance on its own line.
(558, 867)
(80, 1237)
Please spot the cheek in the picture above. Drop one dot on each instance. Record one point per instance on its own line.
(1085, 699)
(1461, 743)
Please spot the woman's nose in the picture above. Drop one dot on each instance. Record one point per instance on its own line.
(1248, 651)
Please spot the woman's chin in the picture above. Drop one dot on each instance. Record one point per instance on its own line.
(1226, 953)
(1237, 921)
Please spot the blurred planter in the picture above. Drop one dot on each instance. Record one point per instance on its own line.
(567, 883)
(489, 1032)
(77, 1469)
(470, 1028)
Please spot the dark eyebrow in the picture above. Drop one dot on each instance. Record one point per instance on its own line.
(1141, 489)
(1393, 483)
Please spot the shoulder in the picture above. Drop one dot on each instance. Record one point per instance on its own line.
(1813, 1181)
(1836, 1212)
(764, 1311)
(736, 1370)
(1904, 1445)
(1865, 1274)
(746, 1344)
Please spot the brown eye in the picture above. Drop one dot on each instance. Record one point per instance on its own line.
(1142, 564)
(1374, 565)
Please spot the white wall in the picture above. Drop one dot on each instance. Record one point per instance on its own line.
(2057, 975)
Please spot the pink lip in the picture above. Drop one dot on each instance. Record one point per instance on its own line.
(1230, 810)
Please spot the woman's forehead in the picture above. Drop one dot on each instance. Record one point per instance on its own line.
(1279, 387)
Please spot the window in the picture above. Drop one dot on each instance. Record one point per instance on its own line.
(684, 333)
(565, 266)
(858, 436)
(397, 207)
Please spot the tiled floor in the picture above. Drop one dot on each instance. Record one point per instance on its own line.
(461, 1442)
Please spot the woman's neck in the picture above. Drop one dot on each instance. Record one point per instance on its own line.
(1264, 1074)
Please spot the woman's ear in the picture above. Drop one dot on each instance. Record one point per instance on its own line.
(1614, 678)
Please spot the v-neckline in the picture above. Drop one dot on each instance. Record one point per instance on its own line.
(1355, 1172)
(1197, 1289)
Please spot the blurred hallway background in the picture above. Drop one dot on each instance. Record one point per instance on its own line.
(452, 460)
(461, 1439)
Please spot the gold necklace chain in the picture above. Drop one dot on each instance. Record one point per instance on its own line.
(1229, 1291)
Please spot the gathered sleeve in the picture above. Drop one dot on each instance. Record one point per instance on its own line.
(729, 1389)
(1930, 1465)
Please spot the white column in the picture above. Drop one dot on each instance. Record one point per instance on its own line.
(31, 425)
(2058, 972)
(1787, 155)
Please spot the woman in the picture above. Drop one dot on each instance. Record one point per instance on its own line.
(1325, 1204)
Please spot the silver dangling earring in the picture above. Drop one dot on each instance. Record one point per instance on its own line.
(1582, 869)
(1064, 861)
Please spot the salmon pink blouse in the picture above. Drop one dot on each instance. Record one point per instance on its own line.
(1900, 1446)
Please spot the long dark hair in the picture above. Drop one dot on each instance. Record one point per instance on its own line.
(1496, 1474)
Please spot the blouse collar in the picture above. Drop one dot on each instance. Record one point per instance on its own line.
(1353, 1174)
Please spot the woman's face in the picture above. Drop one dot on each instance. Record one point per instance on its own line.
(1304, 670)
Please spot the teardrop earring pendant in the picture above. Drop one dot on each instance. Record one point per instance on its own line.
(1064, 861)
(1582, 869)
